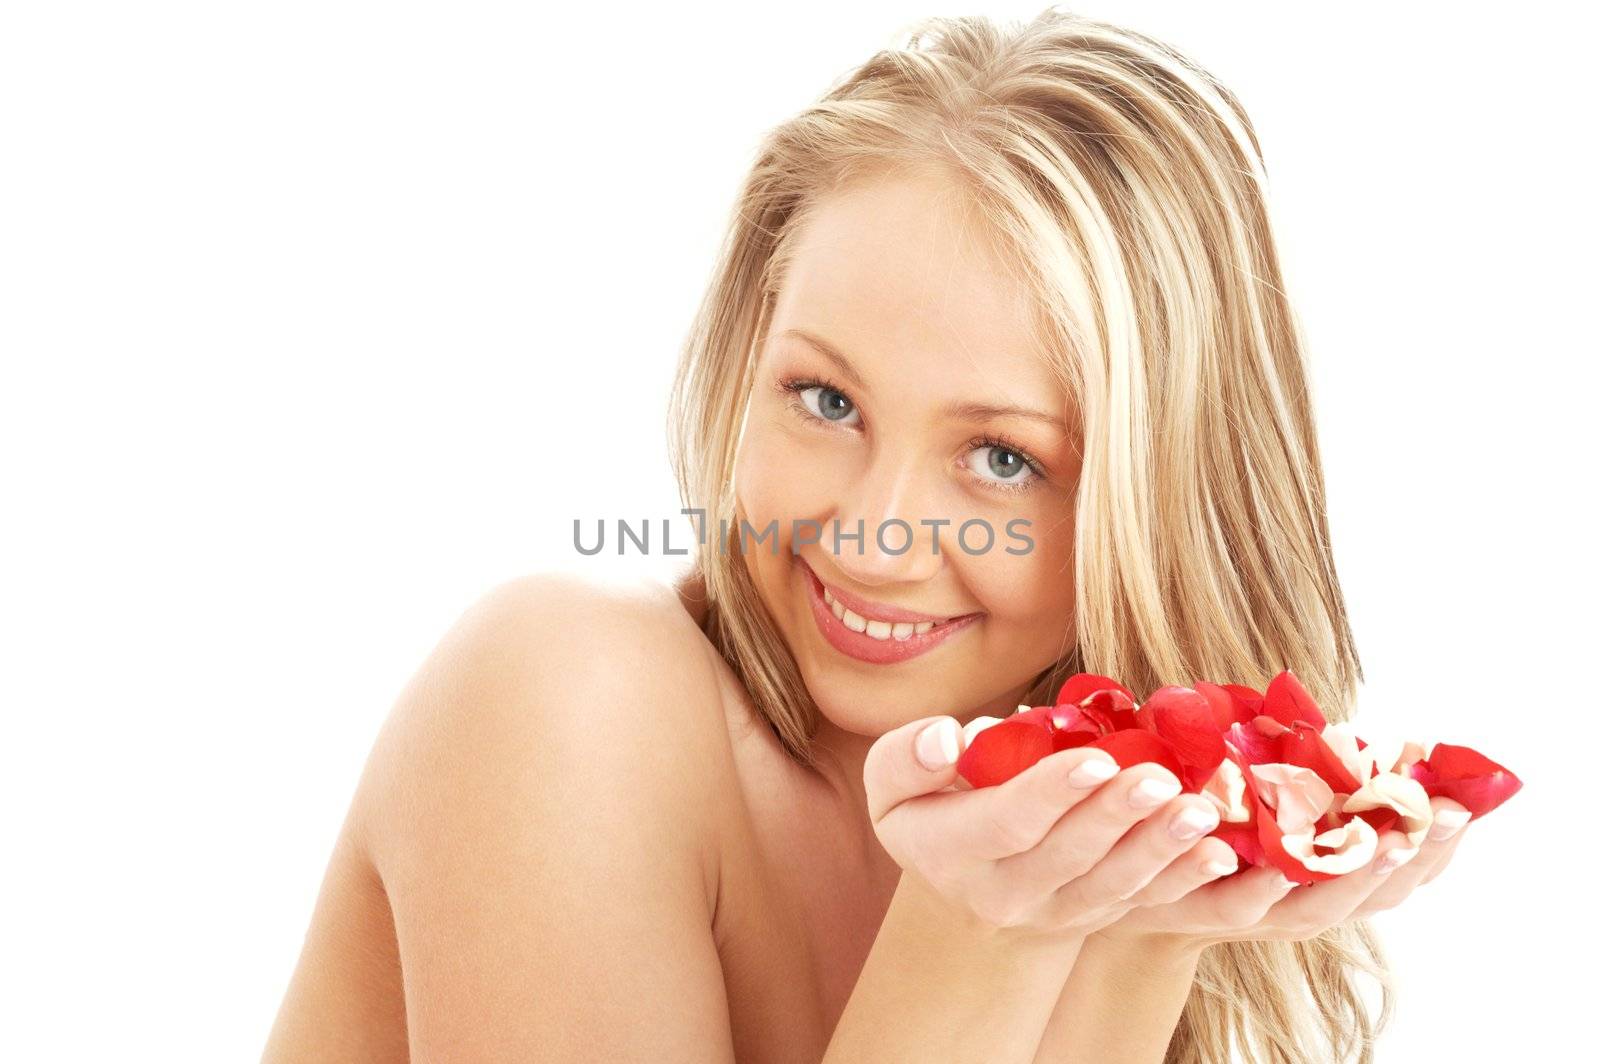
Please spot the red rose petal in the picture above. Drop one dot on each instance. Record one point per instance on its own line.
(1084, 684)
(1135, 746)
(1302, 746)
(1381, 819)
(1466, 776)
(1254, 747)
(1035, 715)
(1076, 719)
(1227, 708)
(1275, 855)
(1243, 836)
(1111, 710)
(1245, 839)
(1182, 716)
(1248, 698)
(1286, 702)
(1002, 750)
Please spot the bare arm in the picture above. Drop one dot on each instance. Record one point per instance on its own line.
(940, 986)
(1121, 1002)
(538, 809)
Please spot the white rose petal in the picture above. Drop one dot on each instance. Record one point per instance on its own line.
(1353, 846)
(1225, 789)
(1404, 795)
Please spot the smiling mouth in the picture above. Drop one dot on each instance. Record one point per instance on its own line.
(899, 625)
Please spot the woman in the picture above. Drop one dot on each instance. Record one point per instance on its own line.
(1013, 287)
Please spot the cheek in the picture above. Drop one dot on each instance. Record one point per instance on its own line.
(778, 475)
(1032, 595)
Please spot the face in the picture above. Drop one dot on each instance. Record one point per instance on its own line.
(896, 347)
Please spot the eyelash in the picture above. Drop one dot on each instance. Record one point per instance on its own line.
(791, 387)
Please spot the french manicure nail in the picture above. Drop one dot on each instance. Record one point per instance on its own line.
(1446, 822)
(1192, 822)
(1153, 792)
(1219, 868)
(1091, 773)
(1283, 882)
(1394, 859)
(938, 745)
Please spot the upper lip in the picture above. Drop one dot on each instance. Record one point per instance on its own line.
(876, 611)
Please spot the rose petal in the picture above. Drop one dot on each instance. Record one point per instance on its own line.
(1248, 698)
(1273, 853)
(1333, 853)
(1111, 710)
(1402, 794)
(1410, 754)
(1303, 745)
(1286, 702)
(1135, 745)
(1245, 839)
(1182, 716)
(1466, 776)
(1298, 796)
(1077, 719)
(1227, 707)
(1002, 750)
(1341, 739)
(1226, 790)
(1256, 740)
(1084, 684)
(1034, 714)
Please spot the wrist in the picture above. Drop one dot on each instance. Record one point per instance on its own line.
(923, 903)
(1157, 950)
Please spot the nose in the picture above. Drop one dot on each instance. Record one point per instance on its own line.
(888, 506)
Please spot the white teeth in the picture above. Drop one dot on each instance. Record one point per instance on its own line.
(876, 629)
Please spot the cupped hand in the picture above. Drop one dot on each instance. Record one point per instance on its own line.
(1261, 903)
(1065, 847)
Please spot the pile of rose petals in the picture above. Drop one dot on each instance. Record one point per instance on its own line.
(1292, 791)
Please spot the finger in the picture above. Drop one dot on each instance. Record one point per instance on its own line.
(1224, 908)
(1141, 854)
(1086, 833)
(895, 769)
(1312, 908)
(995, 823)
(1207, 861)
(1450, 820)
(1431, 857)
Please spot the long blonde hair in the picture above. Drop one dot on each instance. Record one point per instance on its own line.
(1128, 187)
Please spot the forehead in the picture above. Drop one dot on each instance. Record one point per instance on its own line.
(901, 273)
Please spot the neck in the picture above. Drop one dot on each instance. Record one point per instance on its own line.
(841, 757)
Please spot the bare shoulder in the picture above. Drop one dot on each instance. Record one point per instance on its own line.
(613, 671)
(540, 806)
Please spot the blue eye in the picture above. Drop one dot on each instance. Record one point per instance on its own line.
(1004, 468)
(827, 403)
(1012, 469)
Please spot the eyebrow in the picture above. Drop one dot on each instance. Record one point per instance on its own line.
(971, 410)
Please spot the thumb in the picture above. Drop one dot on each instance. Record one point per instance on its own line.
(911, 760)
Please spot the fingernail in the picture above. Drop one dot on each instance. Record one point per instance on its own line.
(1152, 792)
(1092, 773)
(1192, 822)
(1219, 867)
(1446, 822)
(936, 744)
(1283, 882)
(1394, 859)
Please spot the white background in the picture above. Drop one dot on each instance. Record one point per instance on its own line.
(320, 319)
